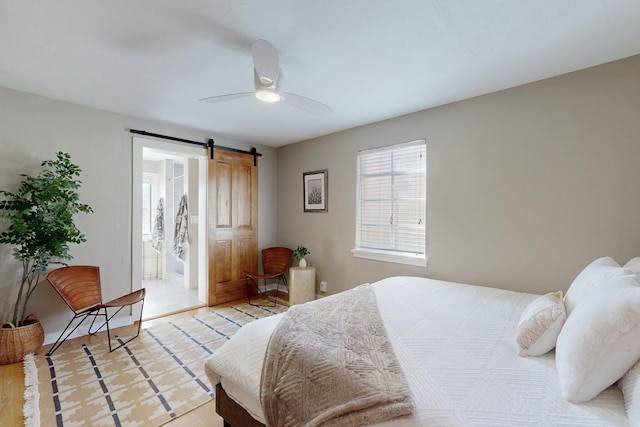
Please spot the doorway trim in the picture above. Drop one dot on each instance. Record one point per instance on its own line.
(139, 144)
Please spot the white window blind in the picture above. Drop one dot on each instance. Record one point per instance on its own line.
(391, 201)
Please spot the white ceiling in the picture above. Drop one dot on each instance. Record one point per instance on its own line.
(368, 59)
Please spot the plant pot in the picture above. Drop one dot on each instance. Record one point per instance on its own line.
(17, 342)
(302, 263)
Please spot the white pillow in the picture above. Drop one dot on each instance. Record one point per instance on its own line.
(539, 325)
(590, 276)
(630, 386)
(600, 340)
(634, 265)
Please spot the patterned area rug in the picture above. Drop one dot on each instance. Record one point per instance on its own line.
(153, 379)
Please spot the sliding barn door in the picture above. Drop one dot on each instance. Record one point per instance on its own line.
(233, 224)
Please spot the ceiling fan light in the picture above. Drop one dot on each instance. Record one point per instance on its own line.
(266, 95)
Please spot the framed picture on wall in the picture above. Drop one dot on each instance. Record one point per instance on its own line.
(315, 191)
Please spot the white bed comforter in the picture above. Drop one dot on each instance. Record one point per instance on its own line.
(455, 344)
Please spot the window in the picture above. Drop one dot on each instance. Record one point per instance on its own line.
(149, 201)
(146, 206)
(391, 204)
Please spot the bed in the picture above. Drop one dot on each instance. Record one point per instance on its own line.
(458, 348)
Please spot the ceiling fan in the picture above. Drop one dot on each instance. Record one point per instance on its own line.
(268, 80)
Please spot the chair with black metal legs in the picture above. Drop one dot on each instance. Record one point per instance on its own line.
(79, 287)
(275, 262)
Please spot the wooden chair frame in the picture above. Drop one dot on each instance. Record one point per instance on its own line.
(79, 287)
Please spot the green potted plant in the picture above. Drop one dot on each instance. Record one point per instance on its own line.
(41, 227)
(299, 254)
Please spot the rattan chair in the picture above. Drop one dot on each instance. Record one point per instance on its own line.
(79, 287)
(275, 262)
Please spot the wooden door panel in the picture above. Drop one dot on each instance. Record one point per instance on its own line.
(247, 261)
(243, 190)
(233, 224)
(230, 291)
(223, 197)
(223, 261)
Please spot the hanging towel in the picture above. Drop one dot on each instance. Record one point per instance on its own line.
(158, 227)
(181, 234)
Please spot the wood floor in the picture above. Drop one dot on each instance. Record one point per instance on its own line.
(11, 391)
(12, 385)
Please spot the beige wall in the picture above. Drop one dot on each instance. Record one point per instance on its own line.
(33, 128)
(524, 186)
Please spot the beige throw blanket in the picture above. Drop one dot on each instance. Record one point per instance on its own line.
(330, 363)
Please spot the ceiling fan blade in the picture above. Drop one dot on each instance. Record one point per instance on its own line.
(229, 97)
(307, 104)
(265, 61)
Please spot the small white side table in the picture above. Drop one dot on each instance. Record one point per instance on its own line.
(302, 285)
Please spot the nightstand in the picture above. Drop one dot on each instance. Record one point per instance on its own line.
(302, 285)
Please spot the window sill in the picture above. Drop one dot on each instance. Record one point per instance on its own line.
(397, 258)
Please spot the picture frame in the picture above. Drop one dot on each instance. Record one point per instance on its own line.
(315, 191)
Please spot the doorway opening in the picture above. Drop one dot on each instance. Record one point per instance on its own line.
(169, 199)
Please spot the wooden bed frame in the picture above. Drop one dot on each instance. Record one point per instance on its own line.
(231, 412)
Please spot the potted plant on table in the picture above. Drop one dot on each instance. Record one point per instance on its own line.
(299, 254)
(40, 217)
